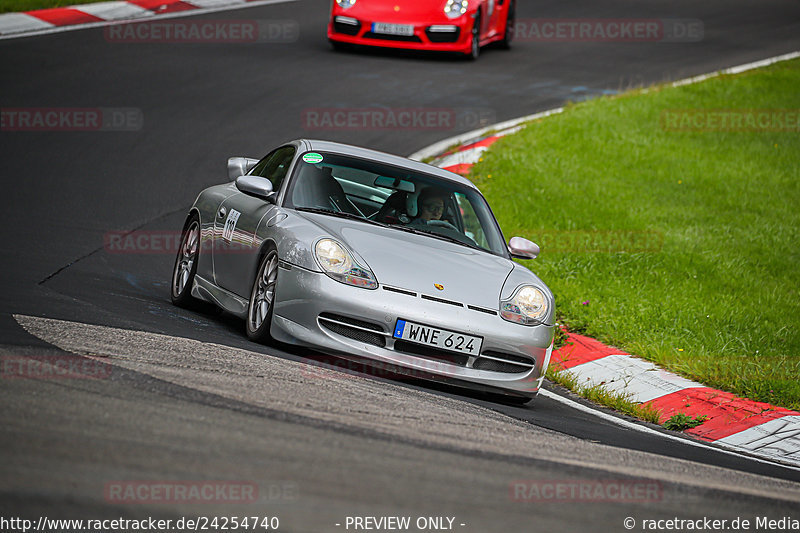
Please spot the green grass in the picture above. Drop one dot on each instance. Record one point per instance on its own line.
(10, 6)
(682, 421)
(599, 395)
(711, 289)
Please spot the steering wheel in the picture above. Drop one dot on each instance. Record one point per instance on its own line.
(441, 224)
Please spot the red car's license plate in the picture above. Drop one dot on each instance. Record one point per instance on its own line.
(393, 29)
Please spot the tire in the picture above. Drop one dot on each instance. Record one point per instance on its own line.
(507, 399)
(262, 299)
(185, 268)
(518, 401)
(340, 47)
(508, 35)
(475, 42)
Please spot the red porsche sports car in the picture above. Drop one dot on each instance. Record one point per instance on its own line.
(446, 25)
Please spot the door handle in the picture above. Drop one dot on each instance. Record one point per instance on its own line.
(222, 212)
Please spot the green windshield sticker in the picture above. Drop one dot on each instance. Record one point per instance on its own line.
(312, 157)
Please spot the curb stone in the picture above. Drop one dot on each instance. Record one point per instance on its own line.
(104, 13)
(735, 423)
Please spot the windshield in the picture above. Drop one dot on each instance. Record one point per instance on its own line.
(396, 197)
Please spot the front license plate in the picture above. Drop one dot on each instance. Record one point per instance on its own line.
(439, 338)
(393, 29)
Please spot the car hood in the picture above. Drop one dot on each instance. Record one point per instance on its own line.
(418, 262)
(399, 11)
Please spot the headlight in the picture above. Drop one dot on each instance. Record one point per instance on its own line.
(345, 4)
(528, 306)
(339, 264)
(455, 8)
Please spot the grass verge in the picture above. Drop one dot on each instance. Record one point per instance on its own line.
(597, 394)
(682, 247)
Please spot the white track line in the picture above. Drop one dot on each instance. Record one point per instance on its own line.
(463, 157)
(721, 447)
(732, 442)
(363, 403)
(738, 69)
(441, 146)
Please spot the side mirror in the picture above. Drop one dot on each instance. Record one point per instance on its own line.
(522, 248)
(239, 166)
(256, 186)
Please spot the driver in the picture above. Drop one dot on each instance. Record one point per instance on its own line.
(430, 209)
(430, 206)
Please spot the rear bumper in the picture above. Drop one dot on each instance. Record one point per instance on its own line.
(313, 310)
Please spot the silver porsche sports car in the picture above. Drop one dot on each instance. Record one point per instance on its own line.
(357, 252)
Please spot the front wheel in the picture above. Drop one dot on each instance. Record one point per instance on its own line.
(186, 264)
(339, 46)
(475, 41)
(518, 401)
(508, 35)
(262, 299)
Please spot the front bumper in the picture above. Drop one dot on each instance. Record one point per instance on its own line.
(446, 35)
(313, 310)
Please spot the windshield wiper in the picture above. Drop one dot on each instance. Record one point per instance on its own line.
(340, 214)
(408, 229)
(455, 240)
(436, 236)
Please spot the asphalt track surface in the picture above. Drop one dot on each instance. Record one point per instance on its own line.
(319, 444)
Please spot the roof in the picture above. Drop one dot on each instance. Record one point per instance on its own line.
(383, 157)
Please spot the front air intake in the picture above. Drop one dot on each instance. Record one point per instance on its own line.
(355, 329)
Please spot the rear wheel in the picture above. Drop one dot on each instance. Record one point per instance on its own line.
(262, 299)
(186, 264)
(508, 35)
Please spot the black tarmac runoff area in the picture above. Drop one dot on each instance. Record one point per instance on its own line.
(182, 419)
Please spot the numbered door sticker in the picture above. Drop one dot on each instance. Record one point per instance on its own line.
(230, 225)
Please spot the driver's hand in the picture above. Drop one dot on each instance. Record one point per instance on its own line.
(442, 224)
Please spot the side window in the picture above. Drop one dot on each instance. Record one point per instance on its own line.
(472, 224)
(275, 166)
